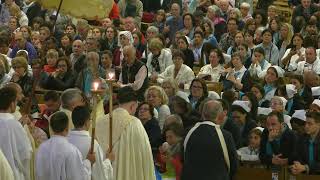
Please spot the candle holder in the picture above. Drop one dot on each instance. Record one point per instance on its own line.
(110, 80)
(97, 94)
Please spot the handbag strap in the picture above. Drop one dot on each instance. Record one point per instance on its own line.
(221, 139)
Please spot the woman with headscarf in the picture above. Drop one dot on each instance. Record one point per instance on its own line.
(124, 39)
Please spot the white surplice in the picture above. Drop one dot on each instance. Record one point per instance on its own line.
(5, 169)
(131, 146)
(102, 168)
(15, 146)
(57, 159)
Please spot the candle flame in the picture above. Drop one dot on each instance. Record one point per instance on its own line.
(95, 86)
(111, 75)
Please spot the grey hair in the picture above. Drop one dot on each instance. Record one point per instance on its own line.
(176, 117)
(217, 11)
(69, 96)
(211, 110)
(153, 29)
(245, 4)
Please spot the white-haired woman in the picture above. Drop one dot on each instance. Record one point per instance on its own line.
(157, 97)
(171, 88)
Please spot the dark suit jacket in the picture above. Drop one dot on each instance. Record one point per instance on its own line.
(286, 148)
(60, 84)
(303, 153)
(232, 127)
(154, 133)
(204, 158)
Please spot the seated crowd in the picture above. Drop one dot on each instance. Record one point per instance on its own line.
(263, 70)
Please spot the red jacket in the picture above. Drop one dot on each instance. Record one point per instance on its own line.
(115, 12)
(175, 161)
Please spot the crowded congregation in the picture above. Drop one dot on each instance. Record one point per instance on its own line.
(160, 90)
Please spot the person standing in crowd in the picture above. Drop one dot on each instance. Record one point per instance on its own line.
(132, 160)
(57, 158)
(205, 138)
(80, 138)
(70, 99)
(14, 141)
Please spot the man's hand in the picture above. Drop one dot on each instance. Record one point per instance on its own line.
(111, 156)
(297, 168)
(277, 160)
(91, 157)
(273, 134)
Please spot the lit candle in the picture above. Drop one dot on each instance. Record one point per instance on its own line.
(111, 75)
(95, 86)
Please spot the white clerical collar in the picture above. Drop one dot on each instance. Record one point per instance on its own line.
(6, 115)
(79, 133)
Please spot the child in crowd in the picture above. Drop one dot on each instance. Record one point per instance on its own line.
(251, 152)
(170, 156)
(51, 57)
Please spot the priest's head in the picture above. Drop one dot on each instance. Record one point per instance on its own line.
(212, 110)
(128, 99)
(8, 103)
(59, 123)
(72, 98)
(81, 118)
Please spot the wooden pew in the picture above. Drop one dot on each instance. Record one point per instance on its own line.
(215, 86)
(308, 177)
(248, 173)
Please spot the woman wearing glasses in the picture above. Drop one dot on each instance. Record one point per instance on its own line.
(63, 78)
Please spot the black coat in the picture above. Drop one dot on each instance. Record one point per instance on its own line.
(154, 133)
(286, 148)
(303, 153)
(298, 103)
(204, 158)
(307, 96)
(232, 127)
(60, 84)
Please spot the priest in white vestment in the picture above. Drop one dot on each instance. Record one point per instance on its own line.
(79, 137)
(57, 158)
(14, 141)
(130, 142)
(5, 169)
(71, 98)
